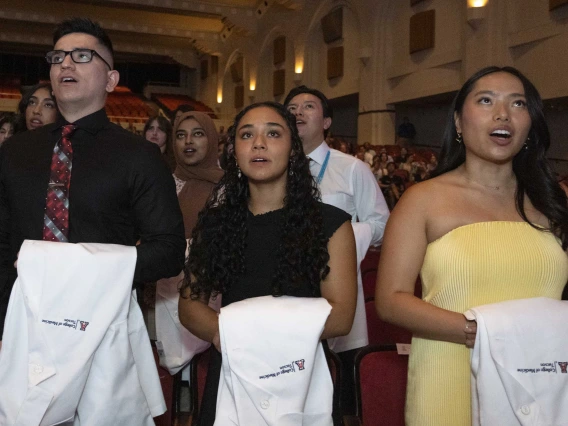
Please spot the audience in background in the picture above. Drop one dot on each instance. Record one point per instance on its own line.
(376, 168)
(403, 155)
(7, 126)
(391, 185)
(420, 173)
(344, 147)
(432, 164)
(37, 108)
(408, 164)
(158, 130)
(361, 156)
(369, 153)
(382, 163)
(394, 176)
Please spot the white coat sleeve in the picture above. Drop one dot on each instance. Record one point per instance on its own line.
(370, 205)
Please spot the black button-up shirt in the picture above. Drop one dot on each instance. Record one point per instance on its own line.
(121, 192)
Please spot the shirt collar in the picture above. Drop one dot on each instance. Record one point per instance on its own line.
(318, 155)
(92, 123)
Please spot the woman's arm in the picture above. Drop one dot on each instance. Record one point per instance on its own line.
(199, 318)
(402, 255)
(340, 286)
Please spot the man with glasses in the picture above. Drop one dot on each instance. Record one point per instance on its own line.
(119, 191)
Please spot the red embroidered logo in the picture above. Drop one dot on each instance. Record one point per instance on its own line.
(84, 325)
(300, 364)
(563, 367)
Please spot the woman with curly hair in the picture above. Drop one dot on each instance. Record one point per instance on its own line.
(490, 226)
(264, 232)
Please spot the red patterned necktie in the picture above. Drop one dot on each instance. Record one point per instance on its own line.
(56, 218)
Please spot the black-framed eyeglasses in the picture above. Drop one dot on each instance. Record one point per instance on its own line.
(79, 56)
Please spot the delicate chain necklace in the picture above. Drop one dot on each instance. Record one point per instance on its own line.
(495, 188)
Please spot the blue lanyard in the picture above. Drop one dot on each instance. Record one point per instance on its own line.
(323, 167)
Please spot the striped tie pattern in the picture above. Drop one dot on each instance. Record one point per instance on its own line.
(56, 218)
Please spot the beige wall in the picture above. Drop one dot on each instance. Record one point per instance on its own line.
(521, 33)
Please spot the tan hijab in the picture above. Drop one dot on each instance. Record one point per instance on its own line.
(201, 178)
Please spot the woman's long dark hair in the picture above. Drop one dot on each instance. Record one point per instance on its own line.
(163, 124)
(25, 101)
(535, 178)
(216, 259)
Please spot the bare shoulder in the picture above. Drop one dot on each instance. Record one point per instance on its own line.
(425, 207)
(427, 193)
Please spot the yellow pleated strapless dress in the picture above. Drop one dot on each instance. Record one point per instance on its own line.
(473, 265)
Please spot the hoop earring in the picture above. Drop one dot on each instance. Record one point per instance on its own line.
(459, 138)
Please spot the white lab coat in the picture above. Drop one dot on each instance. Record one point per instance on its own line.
(274, 370)
(349, 184)
(519, 363)
(176, 345)
(75, 346)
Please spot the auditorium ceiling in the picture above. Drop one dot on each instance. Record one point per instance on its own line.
(178, 29)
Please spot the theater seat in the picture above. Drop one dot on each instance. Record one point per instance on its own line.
(381, 376)
(169, 386)
(371, 260)
(369, 283)
(335, 368)
(199, 367)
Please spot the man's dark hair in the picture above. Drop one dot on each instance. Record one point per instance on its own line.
(85, 26)
(183, 108)
(326, 107)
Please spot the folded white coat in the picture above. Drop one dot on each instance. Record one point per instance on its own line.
(519, 363)
(176, 345)
(75, 346)
(274, 370)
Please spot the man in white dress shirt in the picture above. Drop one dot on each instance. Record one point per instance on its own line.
(347, 183)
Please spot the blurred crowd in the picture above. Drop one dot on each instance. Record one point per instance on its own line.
(395, 167)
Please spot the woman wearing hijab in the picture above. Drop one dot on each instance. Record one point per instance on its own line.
(196, 174)
(197, 171)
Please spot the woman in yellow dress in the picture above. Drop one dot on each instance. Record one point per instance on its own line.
(492, 225)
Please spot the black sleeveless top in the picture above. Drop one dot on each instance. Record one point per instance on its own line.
(263, 238)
